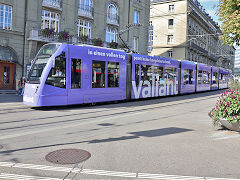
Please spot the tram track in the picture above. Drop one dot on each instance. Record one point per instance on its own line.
(92, 114)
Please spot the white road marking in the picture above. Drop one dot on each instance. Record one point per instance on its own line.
(96, 172)
(23, 177)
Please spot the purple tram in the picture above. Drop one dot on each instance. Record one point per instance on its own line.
(64, 74)
(188, 76)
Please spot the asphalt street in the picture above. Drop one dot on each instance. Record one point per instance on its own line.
(164, 138)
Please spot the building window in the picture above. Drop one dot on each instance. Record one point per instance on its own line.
(84, 28)
(112, 12)
(170, 39)
(136, 17)
(170, 53)
(171, 8)
(5, 17)
(85, 5)
(135, 43)
(50, 20)
(111, 34)
(170, 23)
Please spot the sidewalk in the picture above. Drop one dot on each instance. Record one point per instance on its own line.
(10, 97)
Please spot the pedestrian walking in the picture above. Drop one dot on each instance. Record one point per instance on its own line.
(23, 85)
(19, 91)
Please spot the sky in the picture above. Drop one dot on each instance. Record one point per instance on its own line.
(211, 8)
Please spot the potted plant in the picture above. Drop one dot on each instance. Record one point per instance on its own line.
(47, 32)
(83, 38)
(97, 42)
(63, 35)
(227, 110)
(113, 45)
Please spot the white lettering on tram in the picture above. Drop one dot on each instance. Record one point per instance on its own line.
(157, 88)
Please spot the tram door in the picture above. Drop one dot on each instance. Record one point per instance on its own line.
(75, 92)
(7, 75)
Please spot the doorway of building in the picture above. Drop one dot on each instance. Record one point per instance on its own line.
(7, 76)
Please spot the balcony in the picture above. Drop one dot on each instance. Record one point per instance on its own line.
(195, 46)
(85, 11)
(213, 57)
(38, 35)
(113, 19)
(55, 4)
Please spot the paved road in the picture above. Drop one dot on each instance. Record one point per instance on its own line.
(166, 138)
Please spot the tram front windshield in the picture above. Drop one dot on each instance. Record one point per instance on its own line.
(37, 68)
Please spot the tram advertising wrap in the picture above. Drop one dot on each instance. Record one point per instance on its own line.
(153, 76)
(64, 74)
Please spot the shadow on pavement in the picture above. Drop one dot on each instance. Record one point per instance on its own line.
(134, 135)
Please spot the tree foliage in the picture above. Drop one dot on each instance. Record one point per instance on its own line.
(229, 13)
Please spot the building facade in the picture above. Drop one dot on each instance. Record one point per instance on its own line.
(237, 63)
(182, 29)
(26, 25)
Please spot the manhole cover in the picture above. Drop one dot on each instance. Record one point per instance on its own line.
(68, 156)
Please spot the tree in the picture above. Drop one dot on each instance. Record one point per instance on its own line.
(229, 13)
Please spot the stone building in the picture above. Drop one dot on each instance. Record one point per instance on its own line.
(182, 29)
(26, 25)
(237, 63)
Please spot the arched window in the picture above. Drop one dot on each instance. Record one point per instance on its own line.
(111, 34)
(112, 12)
(7, 54)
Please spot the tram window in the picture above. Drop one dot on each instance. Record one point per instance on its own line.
(158, 72)
(208, 77)
(137, 74)
(186, 76)
(57, 75)
(190, 76)
(205, 77)
(214, 80)
(199, 77)
(76, 74)
(175, 74)
(168, 73)
(221, 78)
(225, 78)
(113, 74)
(146, 73)
(98, 74)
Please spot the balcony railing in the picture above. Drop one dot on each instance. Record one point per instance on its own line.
(213, 57)
(85, 10)
(195, 46)
(40, 35)
(56, 4)
(113, 19)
